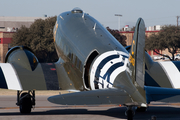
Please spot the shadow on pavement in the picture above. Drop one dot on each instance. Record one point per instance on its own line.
(117, 112)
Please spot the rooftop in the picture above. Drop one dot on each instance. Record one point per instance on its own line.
(20, 19)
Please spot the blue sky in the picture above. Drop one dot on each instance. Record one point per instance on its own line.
(154, 12)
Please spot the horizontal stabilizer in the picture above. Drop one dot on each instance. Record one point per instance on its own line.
(162, 94)
(94, 97)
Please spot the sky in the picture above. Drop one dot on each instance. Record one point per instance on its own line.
(154, 12)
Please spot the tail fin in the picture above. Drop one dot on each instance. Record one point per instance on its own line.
(132, 80)
(137, 53)
(136, 68)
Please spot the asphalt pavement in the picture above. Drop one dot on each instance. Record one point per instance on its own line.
(45, 110)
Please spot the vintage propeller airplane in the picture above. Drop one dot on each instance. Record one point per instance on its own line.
(94, 65)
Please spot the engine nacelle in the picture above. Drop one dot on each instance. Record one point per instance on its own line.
(106, 67)
(22, 56)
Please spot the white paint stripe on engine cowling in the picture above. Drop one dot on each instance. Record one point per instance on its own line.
(11, 77)
(106, 66)
(172, 72)
(109, 64)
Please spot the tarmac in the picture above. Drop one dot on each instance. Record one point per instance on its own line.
(45, 110)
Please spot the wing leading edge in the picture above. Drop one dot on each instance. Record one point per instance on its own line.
(93, 97)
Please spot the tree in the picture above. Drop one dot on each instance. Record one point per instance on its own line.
(167, 38)
(120, 38)
(21, 37)
(39, 38)
(133, 29)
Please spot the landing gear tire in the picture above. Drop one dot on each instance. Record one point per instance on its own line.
(129, 114)
(141, 109)
(25, 101)
(26, 104)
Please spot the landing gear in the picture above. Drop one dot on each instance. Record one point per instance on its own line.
(141, 109)
(25, 101)
(129, 113)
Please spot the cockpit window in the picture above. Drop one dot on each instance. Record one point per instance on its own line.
(76, 10)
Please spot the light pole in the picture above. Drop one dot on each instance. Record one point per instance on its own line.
(119, 15)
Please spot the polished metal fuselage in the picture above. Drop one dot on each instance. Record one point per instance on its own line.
(77, 36)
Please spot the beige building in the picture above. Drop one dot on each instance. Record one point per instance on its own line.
(11, 24)
(5, 40)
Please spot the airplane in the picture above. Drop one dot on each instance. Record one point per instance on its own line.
(94, 65)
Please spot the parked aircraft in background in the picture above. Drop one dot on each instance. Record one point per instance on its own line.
(177, 57)
(94, 65)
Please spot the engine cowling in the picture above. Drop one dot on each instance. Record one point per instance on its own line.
(106, 67)
(22, 56)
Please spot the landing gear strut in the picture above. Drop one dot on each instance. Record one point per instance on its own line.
(25, 101)
(129, 113)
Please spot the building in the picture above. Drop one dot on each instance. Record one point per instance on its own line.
(129, 35)
(11, 24)
(5, 40)
(154, 28)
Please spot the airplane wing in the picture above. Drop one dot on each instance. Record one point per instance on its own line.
(162, 94)
(102, 96)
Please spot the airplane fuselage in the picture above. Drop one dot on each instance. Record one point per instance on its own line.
(79, 39)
